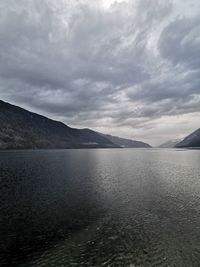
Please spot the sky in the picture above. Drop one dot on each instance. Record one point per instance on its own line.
(129, 68)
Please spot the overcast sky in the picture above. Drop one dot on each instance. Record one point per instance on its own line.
(129, 68)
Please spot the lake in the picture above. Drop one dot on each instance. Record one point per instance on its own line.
(100, 207)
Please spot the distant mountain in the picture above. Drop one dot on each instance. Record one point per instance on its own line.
(128, 143)
(21, 129)
(170, 143)
(192, 140)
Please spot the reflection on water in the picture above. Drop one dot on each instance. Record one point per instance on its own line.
(118, 207)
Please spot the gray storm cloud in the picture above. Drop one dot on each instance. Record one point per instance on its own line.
(131, 65)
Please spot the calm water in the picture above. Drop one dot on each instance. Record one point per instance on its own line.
(118, 207)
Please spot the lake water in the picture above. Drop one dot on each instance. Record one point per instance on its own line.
(100, 207)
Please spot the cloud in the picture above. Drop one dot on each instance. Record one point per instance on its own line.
(102, 64)
(180, 43)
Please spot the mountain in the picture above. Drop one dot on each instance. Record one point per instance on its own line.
(170, 143)
(21, 129)
(192, 140)
(122, 142)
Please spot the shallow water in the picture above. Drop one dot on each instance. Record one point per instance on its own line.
(100, 207)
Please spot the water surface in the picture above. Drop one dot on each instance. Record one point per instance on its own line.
(100, 207)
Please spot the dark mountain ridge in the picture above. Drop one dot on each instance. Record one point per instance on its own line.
(21, 129)
(192, 140)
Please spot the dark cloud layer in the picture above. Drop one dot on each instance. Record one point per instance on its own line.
(132, 63)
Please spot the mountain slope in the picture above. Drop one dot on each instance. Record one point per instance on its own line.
(192, 140)
(21, 129)
(170, 143)
(122, 142)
